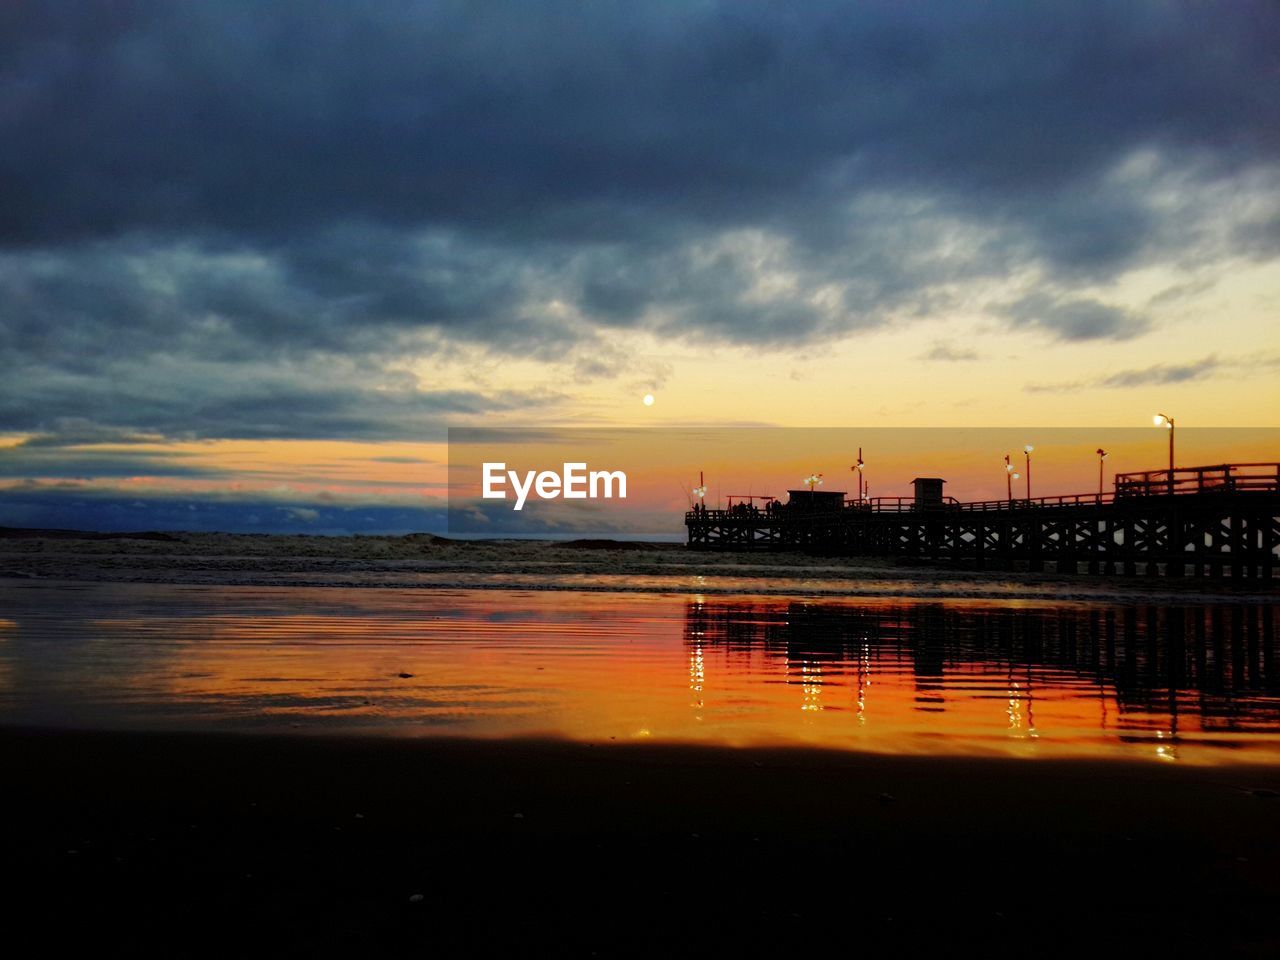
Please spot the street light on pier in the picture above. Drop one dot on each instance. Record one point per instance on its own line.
(858, 466)
(1162, 420)
(700, 491)
(1010, 475)
(1026, 450)
(1102, 455)
(813, 480)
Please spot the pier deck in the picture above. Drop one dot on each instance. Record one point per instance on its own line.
(1216, 521)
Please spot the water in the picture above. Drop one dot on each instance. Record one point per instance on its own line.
(1192, 683)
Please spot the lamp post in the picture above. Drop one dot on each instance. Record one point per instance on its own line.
(1166, 421)
(813, 480)
(1027, 452)
(858, 466)
(1102, 455)
(1161, 420)
(1010, 475)
(700, 491)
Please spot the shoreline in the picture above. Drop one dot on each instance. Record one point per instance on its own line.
(431, 563)
(318, 845)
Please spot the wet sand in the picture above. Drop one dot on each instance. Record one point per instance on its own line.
(196, 844)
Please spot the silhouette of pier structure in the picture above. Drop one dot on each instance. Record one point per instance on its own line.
(1215, 521)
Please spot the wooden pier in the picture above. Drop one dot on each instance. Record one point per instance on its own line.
(1216, 521)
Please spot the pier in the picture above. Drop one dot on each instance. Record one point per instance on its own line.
(1215, 521)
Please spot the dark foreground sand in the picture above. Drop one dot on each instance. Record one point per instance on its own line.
(197, 844)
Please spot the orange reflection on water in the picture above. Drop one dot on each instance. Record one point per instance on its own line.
(1191, 683)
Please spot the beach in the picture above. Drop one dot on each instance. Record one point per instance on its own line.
(221, 745)
(199, 844)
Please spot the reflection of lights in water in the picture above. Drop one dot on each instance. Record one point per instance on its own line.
(1168, 750)
(864, 681)
(1031, 709)
(1015, 707)
(811, 685)
(697, 674)
(1017, 721)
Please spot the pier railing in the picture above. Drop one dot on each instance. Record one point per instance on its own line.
(881, 505)
(1222, 478)
(1219, 479)
(1022, 503)
(899, 505)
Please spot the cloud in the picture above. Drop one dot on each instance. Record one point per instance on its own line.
(79, 431)
(544, 121)
(1075, 319)
(1165, 373)
(188, 398)
(228, 221)
(42, 457)
(74, 509)
(949, 353)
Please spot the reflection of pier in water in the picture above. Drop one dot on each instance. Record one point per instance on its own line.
(1210, 668)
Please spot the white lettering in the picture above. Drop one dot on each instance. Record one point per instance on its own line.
(548, 485)
(493, 475)
(575, 481)
(609, 476)
(522, 492)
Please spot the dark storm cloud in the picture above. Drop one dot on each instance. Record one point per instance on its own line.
(566, 120)
(227, 219)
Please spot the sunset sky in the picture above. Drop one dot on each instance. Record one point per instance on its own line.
(255, 262)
